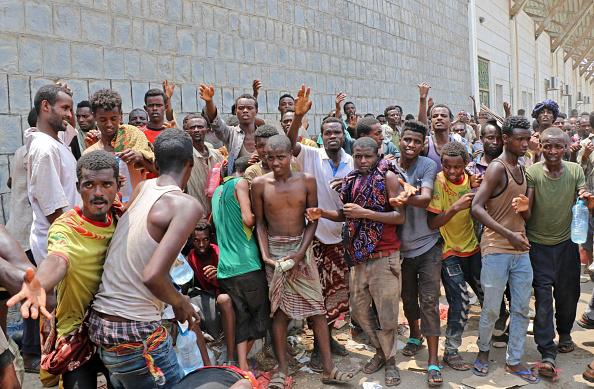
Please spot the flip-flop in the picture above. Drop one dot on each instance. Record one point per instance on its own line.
(480, 368)
(412, 347)
(392, 375)
(434, 377)
(547, 369)
(374, 364)
(337, 377)
(526, 375)
(456, 362)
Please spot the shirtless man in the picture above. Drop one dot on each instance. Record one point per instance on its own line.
(280, 199)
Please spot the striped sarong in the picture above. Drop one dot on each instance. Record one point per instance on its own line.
(298, 292)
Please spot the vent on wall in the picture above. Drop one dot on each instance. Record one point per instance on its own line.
(565, 90)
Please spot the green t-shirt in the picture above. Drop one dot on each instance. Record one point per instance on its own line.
(238, 250)
(550, 222)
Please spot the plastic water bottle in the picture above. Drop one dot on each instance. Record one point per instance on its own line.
(126, 190)
(188, 354)
(181, 272)
(579, 222)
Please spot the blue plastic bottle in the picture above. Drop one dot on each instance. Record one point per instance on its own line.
(188, 354)
(579, 222)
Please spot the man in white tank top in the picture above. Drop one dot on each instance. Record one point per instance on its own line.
(126, 318)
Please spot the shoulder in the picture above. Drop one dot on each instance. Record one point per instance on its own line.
(573, 167)
(534, 168)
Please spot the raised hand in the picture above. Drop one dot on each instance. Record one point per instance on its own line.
(520, 203)
(256, 85)
(507, 109)
(33, 296)
(302, 102)
(313, 214)
(206, 92)
(92, 137)
(423, 90)
(340, 97)
(168, 88)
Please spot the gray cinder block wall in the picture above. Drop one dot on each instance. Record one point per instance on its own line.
(374, 50)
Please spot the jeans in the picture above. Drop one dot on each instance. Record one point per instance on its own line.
(128, 369)
(455, 273)
(556, 271)
(498, 270)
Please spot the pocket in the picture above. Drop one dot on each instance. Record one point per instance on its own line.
(394, 264)
(454, 270)
(139, 378)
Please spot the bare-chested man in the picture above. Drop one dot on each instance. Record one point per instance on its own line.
(280, 199)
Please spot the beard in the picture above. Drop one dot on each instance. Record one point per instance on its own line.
(56, 122)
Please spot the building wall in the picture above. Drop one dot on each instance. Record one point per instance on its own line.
(374, 50)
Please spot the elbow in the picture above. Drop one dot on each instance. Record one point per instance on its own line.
(151, 281)
(249, 221)
(400, 219)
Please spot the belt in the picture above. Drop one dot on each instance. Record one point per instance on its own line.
(381, 254)
(112, 318)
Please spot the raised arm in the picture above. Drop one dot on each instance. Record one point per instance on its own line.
(242, 194)
(207, 93)
(261, 226)
(168, 89)
(423, 93)
(302, 106)
(340, 97)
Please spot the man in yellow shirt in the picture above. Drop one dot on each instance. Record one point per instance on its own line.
(77, 244)
(449, 210)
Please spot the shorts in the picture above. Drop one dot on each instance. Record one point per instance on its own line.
(249, 293)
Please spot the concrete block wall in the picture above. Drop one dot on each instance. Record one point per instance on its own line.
(374, 50)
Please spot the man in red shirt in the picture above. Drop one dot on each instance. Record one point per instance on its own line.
(216, 309)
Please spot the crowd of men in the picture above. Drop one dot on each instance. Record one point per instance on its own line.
(278, 226)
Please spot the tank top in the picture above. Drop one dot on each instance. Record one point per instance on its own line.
(122, 291)
(432, 151)
(500, 209)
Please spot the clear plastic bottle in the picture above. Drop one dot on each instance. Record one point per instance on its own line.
(579, 222)
(188, 354)
(126, 190)
(181, 272)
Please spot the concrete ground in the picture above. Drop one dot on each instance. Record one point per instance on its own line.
(571, 365)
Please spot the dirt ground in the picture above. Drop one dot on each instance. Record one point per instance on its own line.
(571, 365)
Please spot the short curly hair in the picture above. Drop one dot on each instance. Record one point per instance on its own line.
(454, 149)
(415, 126)
(514, 122)
(106, 99)
(265, 131)
(97, 160)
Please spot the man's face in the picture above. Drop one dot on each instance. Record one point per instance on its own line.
(60, 114)
(287, 120)
(440, 119)
(585, 125)
(332, 136)
(261, 147)
(411, 144)
(155, 108)
(382, 119)
(483, 117)
(201, 241)
(517, 144)
(285, 103)
(108, 122)
(349, 109)
(364, 158)
(246, 111)
(559, 122)
(553, 148)
(377, 134)
(394, 117)
(197, 129)
(279, 160)
(463, 117)
(573, 124)
(138, 118)
(85, 118)
(98, 189)
(492, 142)
(545, 118)
(453, 167)
(460, 129)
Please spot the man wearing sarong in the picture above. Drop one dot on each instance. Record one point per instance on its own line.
(77, 244)
(126, 141)
(279, 201)
(372, 250)
(326, 164)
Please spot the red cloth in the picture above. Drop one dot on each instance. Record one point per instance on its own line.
(197, 263)
(389, 240)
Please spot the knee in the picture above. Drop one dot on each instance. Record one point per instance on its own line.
(224, 300)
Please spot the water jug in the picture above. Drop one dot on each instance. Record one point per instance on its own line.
(579, 222)
(188, 354)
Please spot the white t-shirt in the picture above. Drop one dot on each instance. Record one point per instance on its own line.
(316, 162)
(51, 185)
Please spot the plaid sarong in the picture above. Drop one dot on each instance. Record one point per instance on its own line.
(298, 292)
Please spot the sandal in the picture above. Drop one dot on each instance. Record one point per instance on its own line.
(336, 377)
(480, 368)
(547, 369)
(434, 376)
(277, 381)
(456, 362)
(315, 362)
(337, 348)
(412, 347)
(588, 374)
(527, 375)
(565, 348)
(392, 375)
(374, 364)
(585, 322)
